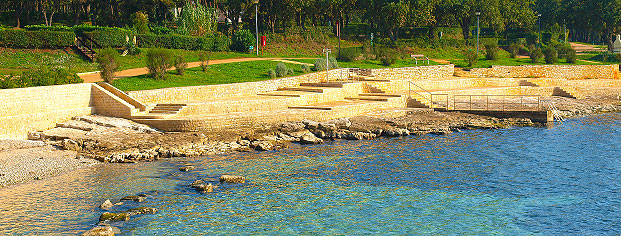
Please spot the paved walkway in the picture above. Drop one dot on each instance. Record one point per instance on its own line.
(95, 77)
(581, 48)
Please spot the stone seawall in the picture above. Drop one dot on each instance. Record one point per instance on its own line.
(571, 72)
(416, 73)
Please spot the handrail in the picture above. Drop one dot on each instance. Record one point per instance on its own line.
(504, 102)
(92, 41)
(430, 99)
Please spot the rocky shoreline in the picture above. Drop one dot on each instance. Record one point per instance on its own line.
(85, 141)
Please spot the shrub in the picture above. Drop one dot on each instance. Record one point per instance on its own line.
(84, 28)
(514, 50)
(534, 53)
(320, 64)
(108, 64)
(617, 56)
(131, 48)
(271, 73)
(305, 68)
(158, 61)
(48, 28)
(281, 70)
(175, 41)
(40, 77)
(197, 20)
(571, 56)
(242, 40)
(605, 56)
(491, 51)
(111, 37)
(8, 81)
(140, 23)
(349, 54)
(471, 56)
(563, 49)
(387, 56)
(204, 58)
(180, 64)
(36, 39)
(550, 54)
(159, 30)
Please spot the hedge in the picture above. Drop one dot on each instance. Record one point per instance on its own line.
(48, 28)
(36, 39)
(40, 77)
(174, 41)
(111, 37)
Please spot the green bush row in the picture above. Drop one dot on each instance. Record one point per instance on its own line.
(111, 37)
(36, 39)
(41, 77)
(173, 41)
(48, 28)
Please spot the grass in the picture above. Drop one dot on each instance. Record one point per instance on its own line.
(217, 74)
(14, 61)
(373, 64)
(138, 61)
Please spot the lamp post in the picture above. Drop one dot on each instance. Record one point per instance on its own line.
(478, 31)
(327, 51)
(539, 36)
(256, 22)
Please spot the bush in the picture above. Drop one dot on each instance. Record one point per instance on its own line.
(320, 64)
(204, 58)
(514, 50)
(271, 73)
(551, 56)
(158, 61)
(221, 43)
(534, 53)
(36, 39)
(242, 40)
(40, 77)
(131, 48)
(491, 51)
(159, 30)
(111, 37)
(108, 64)
(140, 22)
(180, 64)
(47, 28)
(305, 68)
(471, 56)
(282, 70)
(605, 56)
(349, 54)
(175, 41)
(81, 29)
(571, 56)
(563, 49)
(617, 56)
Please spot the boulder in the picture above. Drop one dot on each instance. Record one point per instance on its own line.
(262, 145)
(186, 168)
(100, 231)
(203, 187)
(395, 132)
(310, 139)
(291, 127)
(106, 204)
(232, 179)
(71, 145)
(141, 211)
(327, 127)
(134, 198)
(35, 135)
(311, 124)
(359, 136)
(109, 216)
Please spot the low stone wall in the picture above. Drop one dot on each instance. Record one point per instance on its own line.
(415, 73)
(40, 108)
(551, 71)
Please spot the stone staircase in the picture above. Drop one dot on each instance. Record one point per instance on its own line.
(170, 109)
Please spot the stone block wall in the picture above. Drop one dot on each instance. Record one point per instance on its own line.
(415, 73)
(108, 104)
(571, 72)
(39, 108)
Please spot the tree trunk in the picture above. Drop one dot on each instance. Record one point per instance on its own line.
(465, 30)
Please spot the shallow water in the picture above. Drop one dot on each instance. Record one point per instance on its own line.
(563, 180)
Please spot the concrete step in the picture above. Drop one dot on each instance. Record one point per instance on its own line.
(171, 105)
(329, 84)
(369, 98)
(162, 112)
(312, 108)
(381, 95)
(304, 89)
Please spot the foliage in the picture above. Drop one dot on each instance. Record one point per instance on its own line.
(180, 64)
(349, 54)
(197, 20)
(514, 50)
(320, 64)
(111, 37)
(203, 57)
(570, 56)
(551, 55)
(140, 23)
(491, 51)
(39, 77)
(108, 63)
(617, 56)
(534, 53)
(159, 30)
(242, 40)
(305, 68)
(387, 56)
(471, 56)
(271, 73)
(282, 70)
(605, 56)
(158, 61)
(132, 49)
(175, 41)
(48, 28)
(563, 49)
(36, 39)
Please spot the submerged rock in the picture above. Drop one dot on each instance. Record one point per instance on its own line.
(109, 216)
(106, 205)
(141, 211)
(186, 168)
(100, 231)
(134, 198)
(203, 187)
(232, 179)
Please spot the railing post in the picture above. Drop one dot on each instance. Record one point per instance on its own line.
(471, 102)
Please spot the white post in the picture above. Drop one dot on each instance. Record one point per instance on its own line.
(327, 51)
(256, 23)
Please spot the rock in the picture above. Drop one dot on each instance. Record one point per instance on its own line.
(141, 211)
(396, 132)
(35, 135)
(310, 139)
(71, 145)
(287, 138)
(232, 179)
(291, 127)
(262, 145)
(100, 231)
(299, 134)
(202, 187)
(109, 216)
(342, 123)
(134, 198)
(311, 124)
(186, 168)
(359, 136)
(327, 127)
(107, 204)
(244, 142)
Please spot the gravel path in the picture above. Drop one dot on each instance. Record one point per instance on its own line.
(22, 161)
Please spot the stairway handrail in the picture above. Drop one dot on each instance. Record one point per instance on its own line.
(85, 45)
(92, 41)
(410, 90)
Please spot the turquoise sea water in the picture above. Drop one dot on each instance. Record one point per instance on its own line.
(562, 180)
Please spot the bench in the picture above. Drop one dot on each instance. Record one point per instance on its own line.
(419, 56)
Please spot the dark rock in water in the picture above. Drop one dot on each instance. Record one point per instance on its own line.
(396, 132)
(202, 187)
(134, 198)
(141, 210)
(359, 136)
(100, 231)
(232, 179)
(109, 216)
(186, 168)
(262, 145)
(107, 204)
(310, 139)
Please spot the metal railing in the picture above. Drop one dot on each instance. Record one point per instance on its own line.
(556, 114)
(497, 102)
(433, 103)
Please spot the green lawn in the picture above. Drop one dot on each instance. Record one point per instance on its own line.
(137, 61)
(217, 74)
(373, 64)
(13, 61)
